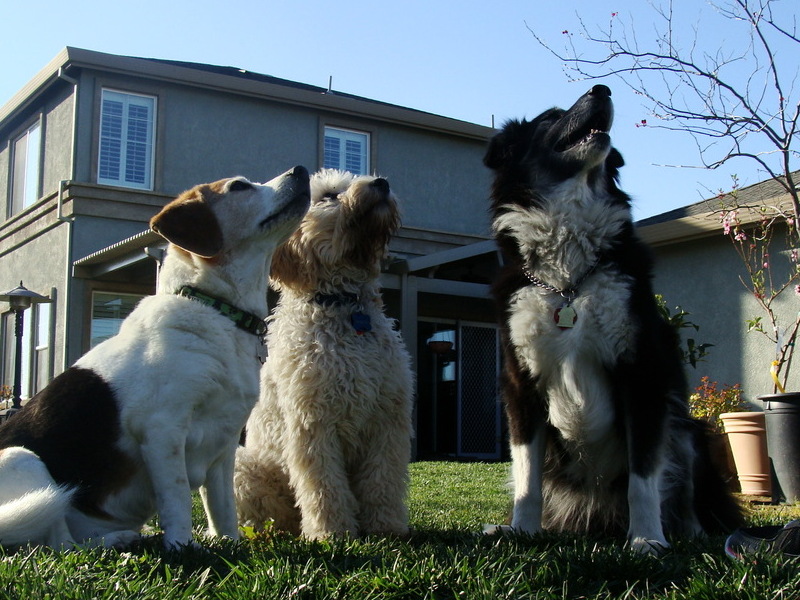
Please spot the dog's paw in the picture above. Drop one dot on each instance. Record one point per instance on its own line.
(490, 529)
(115, 539)
(191, 546)
(642, 545)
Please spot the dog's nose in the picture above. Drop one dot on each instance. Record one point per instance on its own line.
(299, 172)
(381, 184)
(600, 90)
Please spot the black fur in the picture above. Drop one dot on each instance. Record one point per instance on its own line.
(646, 384)
(73, 426)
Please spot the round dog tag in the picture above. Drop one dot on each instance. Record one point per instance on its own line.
(565, 317)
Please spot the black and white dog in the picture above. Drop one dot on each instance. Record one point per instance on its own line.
(593, 384)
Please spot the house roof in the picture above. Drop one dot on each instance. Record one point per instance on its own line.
(233, 80)
(702, 218)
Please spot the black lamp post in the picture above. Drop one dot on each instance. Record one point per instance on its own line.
(20, 299)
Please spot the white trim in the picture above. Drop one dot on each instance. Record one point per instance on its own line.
(150, 142)
(343, 135)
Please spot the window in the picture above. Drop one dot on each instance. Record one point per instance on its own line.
(346, 150)
(41, 349)
(108, 312)
(35, 363)
(26, 158)
(7, 349)
(127, 129)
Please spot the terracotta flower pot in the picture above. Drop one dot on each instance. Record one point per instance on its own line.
(748, 440)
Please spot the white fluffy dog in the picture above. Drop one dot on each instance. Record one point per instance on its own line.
(328, 443)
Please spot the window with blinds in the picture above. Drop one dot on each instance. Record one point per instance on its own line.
(127, 132)
(346, 150)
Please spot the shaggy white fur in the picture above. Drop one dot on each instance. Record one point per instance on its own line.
(328, 443)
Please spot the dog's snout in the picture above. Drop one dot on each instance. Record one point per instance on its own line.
(600, 90)
(381, 184)
(299, 172)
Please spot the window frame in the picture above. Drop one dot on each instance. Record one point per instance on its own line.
(150, 152)
(19, 201)
(344, 131)
(117, 294)
(37, 339)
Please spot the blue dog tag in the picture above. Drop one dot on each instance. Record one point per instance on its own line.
(361, 322)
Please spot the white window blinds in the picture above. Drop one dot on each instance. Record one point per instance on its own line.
(347, 150)
(127, 129)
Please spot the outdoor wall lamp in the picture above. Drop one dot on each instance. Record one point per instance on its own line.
(20, 299)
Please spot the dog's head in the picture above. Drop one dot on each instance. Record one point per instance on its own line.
(343, 236)
(556, 146)
(215, 218)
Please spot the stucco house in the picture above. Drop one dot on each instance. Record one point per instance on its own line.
(95, 144)
(699, 270)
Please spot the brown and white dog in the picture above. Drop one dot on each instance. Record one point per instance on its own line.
(328, 443)
(156, 411)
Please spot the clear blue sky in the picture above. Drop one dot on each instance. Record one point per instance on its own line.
(466, 59)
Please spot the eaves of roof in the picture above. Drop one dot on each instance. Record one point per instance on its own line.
(235, 80)
(703, 218)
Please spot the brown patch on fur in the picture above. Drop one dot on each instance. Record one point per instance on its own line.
(189, 223)
(73, 426)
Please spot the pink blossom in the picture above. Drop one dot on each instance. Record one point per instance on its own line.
(740, 236)
(794, 255)
(726, 222)
(797, 290)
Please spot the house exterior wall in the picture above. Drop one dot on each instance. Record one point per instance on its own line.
(441, 182)
(702, 277)
(206, 131)
(57, 139)
(204, 135)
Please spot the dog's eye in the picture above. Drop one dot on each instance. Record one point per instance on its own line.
(331, 197)
(239, 185)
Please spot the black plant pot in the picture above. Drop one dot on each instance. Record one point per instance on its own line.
(782, 412)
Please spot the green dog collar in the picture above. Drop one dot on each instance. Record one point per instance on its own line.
(248, 321)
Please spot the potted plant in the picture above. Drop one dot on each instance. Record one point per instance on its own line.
(767, 240)
(6, 395)
(738, 435)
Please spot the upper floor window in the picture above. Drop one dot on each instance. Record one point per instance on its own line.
(346, 150)
(25, 163)
(127, 132)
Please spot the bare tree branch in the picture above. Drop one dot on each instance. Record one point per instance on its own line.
(703, 92)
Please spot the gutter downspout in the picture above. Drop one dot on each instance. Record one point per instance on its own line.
(62, 186)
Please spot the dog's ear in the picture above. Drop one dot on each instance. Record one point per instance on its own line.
(504, 146)
(614, 159)
(292, 266)
(189, 223)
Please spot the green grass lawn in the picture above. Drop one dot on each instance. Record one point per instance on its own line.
(444, 558)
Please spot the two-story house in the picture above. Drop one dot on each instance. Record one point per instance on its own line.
(95, 144)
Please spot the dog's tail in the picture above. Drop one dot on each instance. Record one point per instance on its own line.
(36, 517)
(716, 508)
